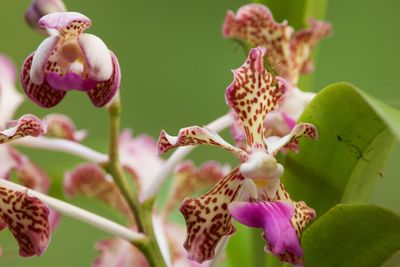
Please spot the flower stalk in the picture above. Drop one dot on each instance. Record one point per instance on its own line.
(142, 213)
(82, 215)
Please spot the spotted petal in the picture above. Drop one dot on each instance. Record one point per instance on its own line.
(42, 94)
(208, 219)
(27, 125)
(67, 23)
(254, 93)
(289, 53)
(196, 135)
(291, 140)
(189, 179)
(27, 219)
(61, 126)
(91, 181)
(105, 90)
(275, 219)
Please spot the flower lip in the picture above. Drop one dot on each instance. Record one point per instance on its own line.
(61, 20)
(70, 81)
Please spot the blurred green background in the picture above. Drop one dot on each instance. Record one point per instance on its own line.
(176, 66)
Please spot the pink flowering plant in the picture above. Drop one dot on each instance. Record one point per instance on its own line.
(301, 179)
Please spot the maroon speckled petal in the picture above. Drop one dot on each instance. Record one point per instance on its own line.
(254, 93)
(104, 91)
(208, 219)
(196, 135)
(91, 181)
(61, 126)
(274, 218)
(27, 125)
(289, 53)
(27, 219)
(188, 179)
(291, 140)
(67, 23)
(41, 94)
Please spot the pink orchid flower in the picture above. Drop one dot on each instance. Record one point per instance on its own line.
(289, 56)
(252, 190)
(40, 8)
(138, 157)
(70, 60)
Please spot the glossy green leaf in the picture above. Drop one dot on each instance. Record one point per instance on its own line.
(353, 235)
(356, 134)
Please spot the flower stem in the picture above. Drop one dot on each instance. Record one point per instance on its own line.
(217, 125)
(142, 213)
(82, 215)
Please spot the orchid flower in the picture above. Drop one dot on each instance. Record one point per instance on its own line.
(92, 181)
(40, 8)
(71, 60)
(289, 55)
(253, 94)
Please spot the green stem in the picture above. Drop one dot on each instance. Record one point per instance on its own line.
(142, 213)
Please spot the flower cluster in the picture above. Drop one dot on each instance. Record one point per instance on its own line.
(265, 104)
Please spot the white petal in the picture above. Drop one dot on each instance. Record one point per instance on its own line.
(97, 56)
(40, 59)
(10, 99)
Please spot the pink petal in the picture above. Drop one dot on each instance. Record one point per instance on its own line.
(91, 181)
(289, 53)
(39, 8)
(65, 22)
(291, 140)
(208, 219)
(253, 94)
(61, 126)
(275, 219)
(138, 156)
(7, 70)
(27, 219)
(104, 91)
(70, 81)
(97, 56)
(196, 135)
(41, 94)
(187, 179)
(117, 252)
(8, 161)
(27, 125)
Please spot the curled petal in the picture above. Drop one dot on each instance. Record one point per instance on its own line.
(39, 8)
(117, 252)
(10, 99)
(97, 56)
(42, 94)
(289, 53)
(253, 94)
(105, 90)
(27, 125)
(291, 140)
(91, 181)
(188, 179)
(40, 59)
(67, 23)
(27, 219)
(196, 135)
(61, 126)
(138, 156)
(208, 219)
(275, 219)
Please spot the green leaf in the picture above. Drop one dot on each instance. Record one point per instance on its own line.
(356, 134)
(352, 235)
(296, 12)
